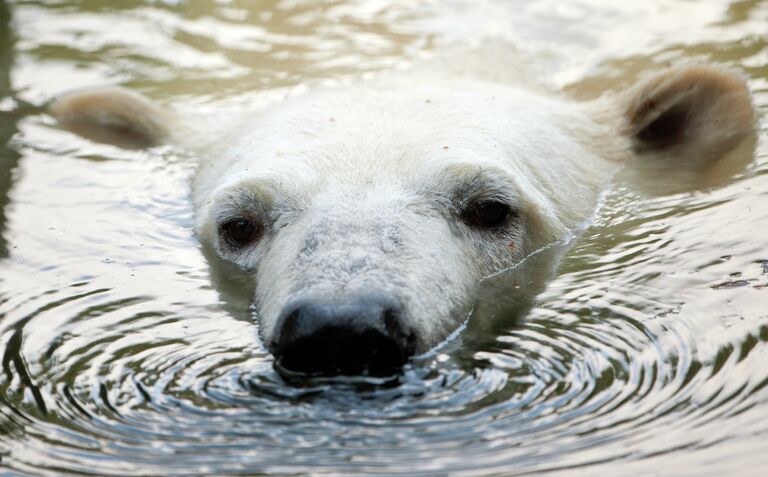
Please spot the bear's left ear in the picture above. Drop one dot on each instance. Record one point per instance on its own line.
(693, 113)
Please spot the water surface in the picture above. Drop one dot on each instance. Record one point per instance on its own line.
(124, 352)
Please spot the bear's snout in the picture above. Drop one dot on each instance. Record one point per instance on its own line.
(360, 336)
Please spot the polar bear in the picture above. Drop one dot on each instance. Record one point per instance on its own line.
(369, 213)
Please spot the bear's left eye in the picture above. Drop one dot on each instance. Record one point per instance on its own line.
(487, 214)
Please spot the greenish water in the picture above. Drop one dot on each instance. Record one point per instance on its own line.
(124, 352)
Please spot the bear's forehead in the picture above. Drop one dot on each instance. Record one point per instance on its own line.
(367, 133)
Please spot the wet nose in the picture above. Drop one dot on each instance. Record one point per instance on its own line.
(364, 336)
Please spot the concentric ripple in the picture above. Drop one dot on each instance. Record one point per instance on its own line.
(126, 351)
(120, 389)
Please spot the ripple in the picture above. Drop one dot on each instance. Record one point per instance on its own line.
(125, 353)
(145, 390)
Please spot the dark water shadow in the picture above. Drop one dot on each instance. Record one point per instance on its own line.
(9, 158)
(13, 421)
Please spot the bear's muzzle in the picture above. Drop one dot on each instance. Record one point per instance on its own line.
(362, 336)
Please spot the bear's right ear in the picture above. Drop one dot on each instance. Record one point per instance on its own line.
(113, 116)
(694, 113)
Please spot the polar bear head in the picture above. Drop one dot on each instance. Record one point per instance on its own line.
(368, 214)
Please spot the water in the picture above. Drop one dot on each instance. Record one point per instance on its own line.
(124, 352)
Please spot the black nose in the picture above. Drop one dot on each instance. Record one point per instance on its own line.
(364, 336)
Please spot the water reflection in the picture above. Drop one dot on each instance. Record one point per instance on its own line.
(125, 352)
(8, 157)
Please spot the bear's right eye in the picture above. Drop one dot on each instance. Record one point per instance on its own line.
(487, 214)
(240, 232)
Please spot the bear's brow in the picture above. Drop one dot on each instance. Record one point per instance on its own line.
(461, 183)
(262, 198)
(248, 198)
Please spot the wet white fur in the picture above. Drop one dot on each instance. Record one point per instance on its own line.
(369, 177)
(360, 188)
